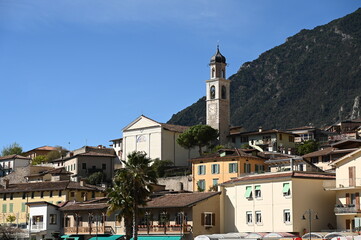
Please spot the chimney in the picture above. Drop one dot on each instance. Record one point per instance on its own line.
(6, 183)
(71, 154)
(260, 129)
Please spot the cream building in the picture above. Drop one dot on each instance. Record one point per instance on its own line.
(10, 163)
(347, 189)
(158, 140)
(277, 202)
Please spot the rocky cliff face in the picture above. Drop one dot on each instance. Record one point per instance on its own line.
(313, 78)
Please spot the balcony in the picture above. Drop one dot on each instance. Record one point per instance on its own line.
(164, 229)
(93, 230)
(37, 227)
(341, 184)
(348, 209)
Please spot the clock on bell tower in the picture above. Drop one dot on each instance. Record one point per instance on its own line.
(217, 97)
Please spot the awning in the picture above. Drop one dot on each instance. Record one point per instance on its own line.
(315, 235)
(159, 238)
(286, 187)
(257, 187)
(340, 234)
(110, 237)
(64, 236)
(248, 192)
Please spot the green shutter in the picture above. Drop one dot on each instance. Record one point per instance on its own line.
(4, 208)
(23, 207)
(257, 187)
(248, 192)
(11, 207)
(236, 166)
(286, 187)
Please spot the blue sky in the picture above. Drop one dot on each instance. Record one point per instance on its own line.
(78, 71)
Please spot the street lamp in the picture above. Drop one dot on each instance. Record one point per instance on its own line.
(309, 214)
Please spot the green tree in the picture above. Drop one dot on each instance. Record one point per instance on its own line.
(95, 178)
(132, 187)
(307, 147)
(58, 153)
(197, 136)
(160, 166)
(39, 160)
(10, 218)
(13, 148)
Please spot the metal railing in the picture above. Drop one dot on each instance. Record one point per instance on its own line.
(348, 208)
(37, 226)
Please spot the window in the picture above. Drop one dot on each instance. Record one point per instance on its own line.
(212, 72)
(11, 207)
(11, 196)
(247, 167)
(23, 207)
(74, 167)
(326, 158)
(4, 196)
(104, 166)
(215, 181)
(52, 219)
(213, 92)
(32, 195)
(208, 219)
(215, 168)
(280, 136)
(257, 191)
(233, 168)
(248, 193)
(259, 168)
(258, 217)
(201, 185)
(201, 170)
(286, 216)
(4, 208)
(93, 194)
(72, 194)
(83, 165)
(291, 139)
(24, 195)
(51, 194)
(249, 217)
(223, 73)
(41, 194)
(59, 193)
(286, 189)
(314, 159)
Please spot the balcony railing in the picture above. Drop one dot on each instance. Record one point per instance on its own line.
(89, 230)
(342, 183)
(38, 226)
(160, 229)
(348, 208)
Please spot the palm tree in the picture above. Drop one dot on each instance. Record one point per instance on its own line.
(131, 189)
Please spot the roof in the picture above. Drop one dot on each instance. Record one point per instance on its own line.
(84, 206)
(179, 200)
(232, 153)
(117, 139)
(350, 143)
(263, 132)
(14, 156)
(347, 156)
(43, 148)
(56, 171)
(41, 203)
(218, 57)
(174, 128)
(301, 128)
(289, 174)
(328, 151)
(87, 154)
(48, 186)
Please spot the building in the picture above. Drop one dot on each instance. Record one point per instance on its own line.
(158, 140)
(277, 202)
(88, 160)
(10, 163)
(218, 97)
(324, 157)
(44, 220)
(14, 197)
(347, 189)
(212, 169)
(117, 145)
(307, 133)
(54, 174)
(184, 214)
(265, 140)
(40, 151)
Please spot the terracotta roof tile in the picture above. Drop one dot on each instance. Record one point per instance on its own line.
(14, 156)
(174, 128)
(179, 200)
(48, 186)
(85, 206)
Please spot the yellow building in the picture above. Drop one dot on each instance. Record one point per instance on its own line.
(213, 169)
(13, 197)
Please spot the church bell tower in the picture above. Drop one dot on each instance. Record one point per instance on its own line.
(218, 97)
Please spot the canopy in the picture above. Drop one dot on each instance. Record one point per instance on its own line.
(315, 235)
(159, 238)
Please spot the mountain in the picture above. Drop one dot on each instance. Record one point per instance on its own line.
(313, 78)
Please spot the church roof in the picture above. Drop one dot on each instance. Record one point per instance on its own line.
(218, 57)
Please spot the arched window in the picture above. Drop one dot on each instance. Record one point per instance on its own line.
(213, 92)
(213, 72)
(224, 92)
(223, 74)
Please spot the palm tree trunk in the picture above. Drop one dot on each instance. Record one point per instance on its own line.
(135, 225)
